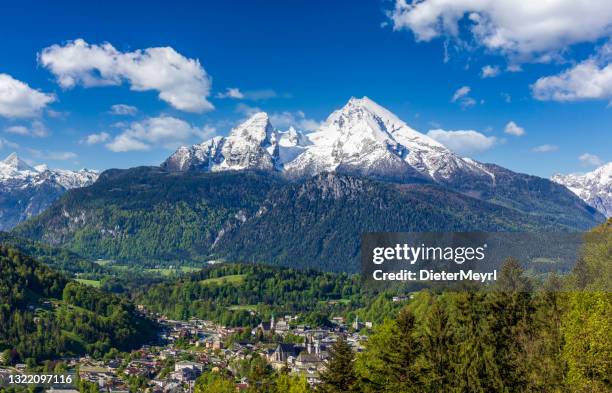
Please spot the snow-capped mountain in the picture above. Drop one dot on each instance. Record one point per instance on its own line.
(26, 191)
(360, 138)
(595, 188)
(251, 145)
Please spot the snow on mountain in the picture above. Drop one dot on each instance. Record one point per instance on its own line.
(366, 138)
(13, 169)
(360, 138)
(595, 188)
(26, 191)
(251, 145)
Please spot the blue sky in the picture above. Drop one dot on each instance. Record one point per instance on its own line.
(299, 61)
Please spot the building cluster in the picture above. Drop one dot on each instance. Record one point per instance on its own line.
(196, 346)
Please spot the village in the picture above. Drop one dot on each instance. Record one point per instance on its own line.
(188, 348)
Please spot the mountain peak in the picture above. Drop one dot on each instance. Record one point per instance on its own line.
(360, 138)
(595, 187)
(256, 128)
(13, 161)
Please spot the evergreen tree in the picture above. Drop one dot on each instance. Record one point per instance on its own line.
(391, 362)
(437, 342)
(339, 375)
(475, 367)
(510, 310)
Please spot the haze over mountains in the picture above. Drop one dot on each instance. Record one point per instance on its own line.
(26, 191)
(286, 198)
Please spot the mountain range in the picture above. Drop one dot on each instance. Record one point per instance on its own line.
(362, 138)
(595, 187)
(26, 191)
(288, 198)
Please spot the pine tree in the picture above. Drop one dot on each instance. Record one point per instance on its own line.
(392, 360)
(339, 376)
(437, 342)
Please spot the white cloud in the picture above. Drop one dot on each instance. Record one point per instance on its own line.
(507, 97)
(165, 131)
(17, 99)
(528, 30)
(514, 129)
(61, 155)
(461, 96)
(293, 119)
(489, 71)
(53, 155)
(123, 110)
(6, 143)
(231, 92)
(546, 148)
(257, 95)
(180, 81)
(590, 79)
(247, 110)
(588, 159)
(463, 141)
(37, 128)
(57, 114)
(94, 139)
(461, 92)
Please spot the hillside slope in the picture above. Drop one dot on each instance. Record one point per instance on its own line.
(44, 315)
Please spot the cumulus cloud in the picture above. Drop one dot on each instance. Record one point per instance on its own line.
(123, 110)
(528, 30)
(546, 148)
(463, 141)
(590, 79)
(182, 82)
(588, 159)
(231, 92)
(296, 119)
(165, 131)
(37, 128)
(18, 100)
(94, 139)
(461, 96)
(489, 71)
(514, 129)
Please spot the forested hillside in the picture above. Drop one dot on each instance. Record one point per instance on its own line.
(59, 259)
(45, 315)
(149, 217)
(228, 293)
(515, 338)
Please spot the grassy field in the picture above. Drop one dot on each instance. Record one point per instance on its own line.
(91, 283)
(231, 279)
(169, 272)
(245, 307)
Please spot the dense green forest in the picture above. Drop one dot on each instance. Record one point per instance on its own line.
(59, 259)
(513, 338)
(45, 315)
(150, 217)
(227, 293)
(147, 215)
